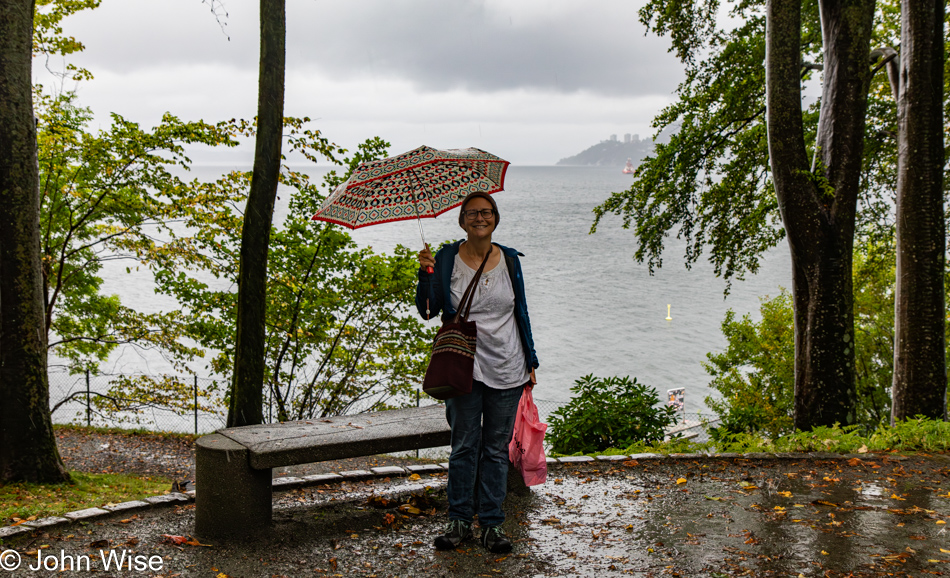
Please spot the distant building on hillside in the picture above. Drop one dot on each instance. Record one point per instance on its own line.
(612, 152)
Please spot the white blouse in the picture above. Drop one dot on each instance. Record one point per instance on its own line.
(499, 356)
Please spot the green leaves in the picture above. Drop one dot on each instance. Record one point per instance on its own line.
(48, 38)
(339, 329)
(107, 196)
(710, 183)
(755, 375)
(612, 412)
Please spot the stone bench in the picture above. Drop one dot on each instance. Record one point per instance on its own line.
(233, 477)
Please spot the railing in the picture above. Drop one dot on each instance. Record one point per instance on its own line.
(73, 397)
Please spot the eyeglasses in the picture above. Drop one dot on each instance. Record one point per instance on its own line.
(485, 213)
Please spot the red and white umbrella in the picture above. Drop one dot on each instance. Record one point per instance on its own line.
(422, 183)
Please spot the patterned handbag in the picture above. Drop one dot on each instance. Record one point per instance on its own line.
(453, 352)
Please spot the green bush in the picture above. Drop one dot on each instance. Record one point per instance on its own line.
(755, 374)
(913, 434)
(604, 413)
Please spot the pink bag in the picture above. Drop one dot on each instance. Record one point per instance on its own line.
(526, 450)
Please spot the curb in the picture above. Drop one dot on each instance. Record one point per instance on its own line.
(293, 482)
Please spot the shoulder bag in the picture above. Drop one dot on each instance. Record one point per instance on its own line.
(453, 351)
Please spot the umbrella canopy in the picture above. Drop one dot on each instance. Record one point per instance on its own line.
(424, 182)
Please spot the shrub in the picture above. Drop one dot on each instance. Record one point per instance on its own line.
(755, 375)
(610, 412)
(913, 434)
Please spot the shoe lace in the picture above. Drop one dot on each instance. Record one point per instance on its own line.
(494, 533)
(458, 526)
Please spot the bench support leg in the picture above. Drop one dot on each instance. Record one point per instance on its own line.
(231, 499)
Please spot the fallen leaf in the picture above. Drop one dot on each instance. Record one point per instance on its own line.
(863, 450)
(681, 481)
(415, 477)
(854, 462)
(176, 540)
(99, 544)
(785, 494)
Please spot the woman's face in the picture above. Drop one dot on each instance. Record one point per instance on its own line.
(478, 227)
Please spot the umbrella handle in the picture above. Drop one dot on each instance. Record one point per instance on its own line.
(430, 270)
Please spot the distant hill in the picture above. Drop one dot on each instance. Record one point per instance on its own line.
(610, 153)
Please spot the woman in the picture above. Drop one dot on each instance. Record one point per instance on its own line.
(481, 421)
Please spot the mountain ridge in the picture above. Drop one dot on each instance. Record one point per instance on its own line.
(610, 153)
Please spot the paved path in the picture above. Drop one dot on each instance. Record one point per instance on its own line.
(687, 516)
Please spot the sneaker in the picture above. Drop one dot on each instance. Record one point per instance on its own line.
(456, 533)
(495, 541)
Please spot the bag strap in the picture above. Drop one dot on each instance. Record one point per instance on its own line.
(469, 295)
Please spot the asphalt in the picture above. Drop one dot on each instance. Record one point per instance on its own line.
(752, 515)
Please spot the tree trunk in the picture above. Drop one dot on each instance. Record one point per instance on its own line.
(920, 373)
(247, 391)
(818, 204)
(28, 449)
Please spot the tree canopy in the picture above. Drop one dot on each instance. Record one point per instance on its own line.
(714, 184)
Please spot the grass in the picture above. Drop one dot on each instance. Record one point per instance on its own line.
(912, 435)
(23, 501)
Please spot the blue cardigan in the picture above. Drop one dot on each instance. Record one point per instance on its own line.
(437, 288)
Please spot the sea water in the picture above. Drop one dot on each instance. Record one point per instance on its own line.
(594, 309)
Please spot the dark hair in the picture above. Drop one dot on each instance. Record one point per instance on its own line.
(485, 196)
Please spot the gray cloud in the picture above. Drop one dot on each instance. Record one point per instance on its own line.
(480, 46)
(440, 45)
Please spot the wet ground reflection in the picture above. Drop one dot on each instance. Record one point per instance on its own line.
(712, 517)
(756, 517)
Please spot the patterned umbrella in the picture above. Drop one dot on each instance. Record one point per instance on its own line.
(424, 182)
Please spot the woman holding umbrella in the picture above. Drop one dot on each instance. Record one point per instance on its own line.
(481, 421)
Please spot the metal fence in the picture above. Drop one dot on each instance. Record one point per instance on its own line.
(87, 399)
(80, 400)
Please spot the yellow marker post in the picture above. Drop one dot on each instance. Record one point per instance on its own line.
(668, 318)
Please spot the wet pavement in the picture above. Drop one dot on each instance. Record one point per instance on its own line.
(868, 515)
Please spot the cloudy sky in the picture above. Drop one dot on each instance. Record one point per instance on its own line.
(532, 81)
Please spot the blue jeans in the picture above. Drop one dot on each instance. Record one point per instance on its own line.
(482, 423)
